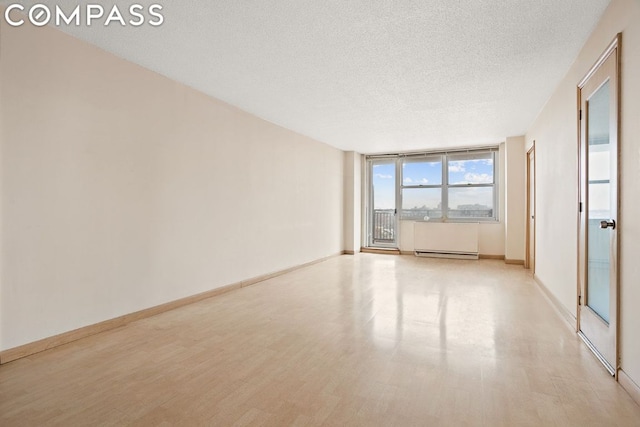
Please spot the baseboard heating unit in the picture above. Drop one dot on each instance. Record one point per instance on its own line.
(446, 240)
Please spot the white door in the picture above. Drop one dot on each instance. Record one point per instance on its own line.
(598, 257)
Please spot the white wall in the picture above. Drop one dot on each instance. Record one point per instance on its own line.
(515, 194)
(491, 235)
(352, 201)
(490, 238)
(555, 133)
(122, 190)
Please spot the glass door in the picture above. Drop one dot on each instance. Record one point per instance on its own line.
(383, 215)
(599, 201)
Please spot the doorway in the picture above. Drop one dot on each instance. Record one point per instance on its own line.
(598, 100)
(530, 250)
(383, 215)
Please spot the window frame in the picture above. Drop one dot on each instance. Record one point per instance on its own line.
(445, 187)
(494, 185)
(402, 187)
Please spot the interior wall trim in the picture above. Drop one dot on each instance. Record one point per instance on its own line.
(29, 349)
(629, 385)
(480, 256)
(514, 261)
(485, 256)
(560, 309)
(383, 251)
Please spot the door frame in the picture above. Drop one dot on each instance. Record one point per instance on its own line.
(531, 214)
(370, 210)
(614, 48)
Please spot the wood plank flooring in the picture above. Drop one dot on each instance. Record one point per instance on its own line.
(355, 340)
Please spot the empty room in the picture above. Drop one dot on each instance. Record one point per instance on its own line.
(383, 213)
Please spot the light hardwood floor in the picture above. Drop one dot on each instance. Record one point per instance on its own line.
(354, 340)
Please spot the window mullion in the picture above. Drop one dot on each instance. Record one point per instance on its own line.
(470, 185)
(410, 192)
(445, 187)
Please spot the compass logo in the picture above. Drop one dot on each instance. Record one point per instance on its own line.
(90, 14)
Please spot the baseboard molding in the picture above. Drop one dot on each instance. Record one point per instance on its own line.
(268, 276)
(390, 251)
(349, 252)
(514, 261)
(86, 331)
(398, 252)
(25, 350)
(498, 257)
(447, 255)
(480, 256)
(559, 308)
(629, 385)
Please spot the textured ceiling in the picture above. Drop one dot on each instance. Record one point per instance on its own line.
(366, 75)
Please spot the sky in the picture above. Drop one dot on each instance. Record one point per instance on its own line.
(425, 172)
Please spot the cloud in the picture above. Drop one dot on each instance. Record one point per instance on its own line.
(478, 178)
(422, 181)
(460, 165)
(383, 176)
(456, 167)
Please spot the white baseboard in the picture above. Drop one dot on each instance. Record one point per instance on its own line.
(629, 385)
(453, 255)
(560, 309)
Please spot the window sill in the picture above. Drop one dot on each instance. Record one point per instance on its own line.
(458, 221)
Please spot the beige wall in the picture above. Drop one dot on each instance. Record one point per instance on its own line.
(555, 133)
(123, 190)
(352, 201)
(515, 194)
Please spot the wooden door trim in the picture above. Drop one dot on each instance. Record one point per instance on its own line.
(529, 235)
(615, 43)
(614, 47)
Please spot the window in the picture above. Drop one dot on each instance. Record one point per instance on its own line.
(449, 186)
(422, 188)
(471, 182)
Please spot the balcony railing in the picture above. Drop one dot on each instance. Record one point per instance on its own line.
(384, 226)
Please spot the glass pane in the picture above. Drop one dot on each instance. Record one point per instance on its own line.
(384, 186)
(422, 172)
(421, 203)
(471, 169)
(599, 202)
(384, 202)
(471, 202)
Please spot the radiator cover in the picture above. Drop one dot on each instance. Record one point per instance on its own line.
(446, 239)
